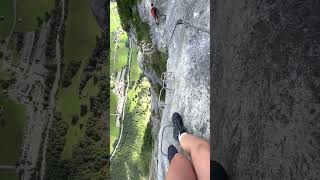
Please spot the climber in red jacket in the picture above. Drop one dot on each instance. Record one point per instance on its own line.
(154, 13)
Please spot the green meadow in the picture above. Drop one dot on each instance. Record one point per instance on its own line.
(135, 69)
(121, 55)
(29, 10)
(80, 40)
(8, 175)
(12, 122)
(81, 31)
(6, 10)
(114, 130)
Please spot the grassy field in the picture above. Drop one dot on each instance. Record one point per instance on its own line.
(29, 10)
(11, 131)
(5, 74)
(122, 55)
(113, 128)
(8, 175)
(133, 156)
(6, 10)
(135, 69)
(122, 52)
(82, 30)
(69, 105)
(80, 40)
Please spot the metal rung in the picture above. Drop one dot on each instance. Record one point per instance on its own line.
(166, 75)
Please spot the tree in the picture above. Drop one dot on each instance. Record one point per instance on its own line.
(46, 16)
(75, 119)
(83, 110)
(40, 21)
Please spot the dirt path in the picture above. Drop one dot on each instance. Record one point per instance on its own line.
(125, 98)
(53, 93)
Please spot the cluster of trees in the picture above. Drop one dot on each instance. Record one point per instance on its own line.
(55, 167)
(49, 83)
(4, 84)
(75, 119)
(39, 21)
(2, 120)
(20, 38)
(104, 93)
(133, 142)
(83, 110)
(84, 79)
(55, 15)
(129, 16)
(70, 72)
(62, 31)
(95, 106)
(96, 60)
(158, 62)
(90, 157)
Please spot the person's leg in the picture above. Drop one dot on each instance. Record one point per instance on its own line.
(199, 150)
(180, 168)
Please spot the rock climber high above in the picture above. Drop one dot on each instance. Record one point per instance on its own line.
(154, 13)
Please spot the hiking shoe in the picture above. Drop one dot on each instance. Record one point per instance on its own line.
(178, 127)
(171, 152)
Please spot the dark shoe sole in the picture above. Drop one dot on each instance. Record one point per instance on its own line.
(171, 152)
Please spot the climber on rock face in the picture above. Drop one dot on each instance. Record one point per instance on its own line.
(154, 13)
(180, 168)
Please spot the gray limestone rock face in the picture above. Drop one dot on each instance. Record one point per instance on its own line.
(265, 89)
(98, 8)
(188, 66)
